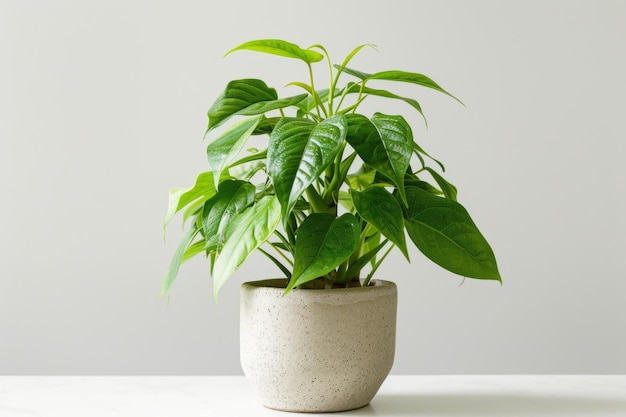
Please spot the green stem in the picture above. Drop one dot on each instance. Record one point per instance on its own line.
(318, 103)
(280, 252)
(357, 254)
(332, 84)
(315, 200)
(380, 261)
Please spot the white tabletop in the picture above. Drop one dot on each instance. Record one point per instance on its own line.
(219, 396)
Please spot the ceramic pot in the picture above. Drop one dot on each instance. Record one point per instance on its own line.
(317, 350)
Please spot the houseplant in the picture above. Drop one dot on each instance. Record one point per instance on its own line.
(332, 192)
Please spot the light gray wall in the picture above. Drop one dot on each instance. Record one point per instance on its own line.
(102, 110)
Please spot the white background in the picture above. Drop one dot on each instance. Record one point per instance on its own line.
(102, 111)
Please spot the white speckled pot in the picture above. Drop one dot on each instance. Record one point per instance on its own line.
(317, 350)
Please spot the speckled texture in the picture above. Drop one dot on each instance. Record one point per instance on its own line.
(317, 350)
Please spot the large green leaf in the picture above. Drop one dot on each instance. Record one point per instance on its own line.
(443, 231)
(380, 208)
(298, 153)
(237, 96)
(323, 241)
(280, 48)
(244, 234)
(181, 197)
(227, 146)
(231, 199)
(385, 143)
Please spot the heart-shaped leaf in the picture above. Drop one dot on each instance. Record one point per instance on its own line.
(385, 143)
(227, 146)
(238, 95)
(380, 208)
(299, 151)
(323, 241)
(248, 231)
(280, 48)
(443, 231)
(231, 199)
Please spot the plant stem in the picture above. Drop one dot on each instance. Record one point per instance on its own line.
(369, 276)
(318, 103)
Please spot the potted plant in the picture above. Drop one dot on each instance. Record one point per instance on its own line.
(325, 193)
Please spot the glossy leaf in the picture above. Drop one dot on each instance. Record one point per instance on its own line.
(236, 97)
(181, 197)
(443, 231)
(280, 48)
(227, 146)
(248, 231)
(380, 208)
(298, 153)
(385, 143)
(323, 241)
(231, 199)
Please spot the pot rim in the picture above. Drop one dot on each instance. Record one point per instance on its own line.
(279, 284)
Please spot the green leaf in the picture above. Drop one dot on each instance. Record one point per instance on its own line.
(361, 75)
(362, 179)
(443, 231)
(380, 208)
(323, 241)
(401, 76)
(244, 234)
(410, 77)
(266, 125)
(265, 106)
(236, 97)
(227, 146)
(231, 199)
(298, 153)
(181, 197)
(385, 143)
(280, 48)
(276, 262)
(355, 88)
(193, 250)
(448, 189)
(342, 67)
(177, 260)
